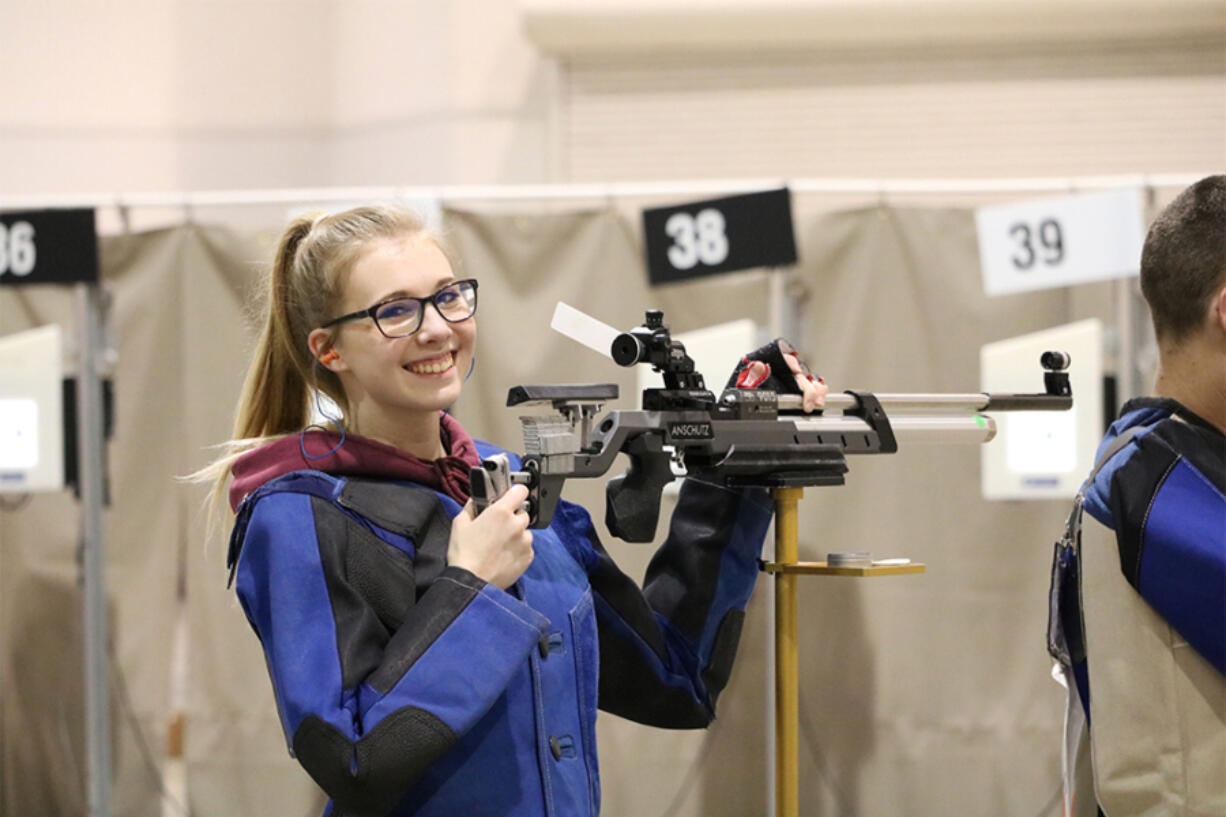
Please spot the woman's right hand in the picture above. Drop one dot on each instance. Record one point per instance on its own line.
(495, 546)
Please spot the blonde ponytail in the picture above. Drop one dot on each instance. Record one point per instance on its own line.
(274, 395)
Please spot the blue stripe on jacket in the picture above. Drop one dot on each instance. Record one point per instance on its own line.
(1182, 573)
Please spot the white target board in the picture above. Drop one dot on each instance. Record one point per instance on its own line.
(31, 411)
(1043, 454)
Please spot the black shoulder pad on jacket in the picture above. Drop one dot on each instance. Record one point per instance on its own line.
(1133, 486)
(370, 586)
(416, 513)
(1204, 448)
(404, 509)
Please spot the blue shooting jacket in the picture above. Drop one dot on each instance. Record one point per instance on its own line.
(409, 687)
(1138, 620)
(1164, 496)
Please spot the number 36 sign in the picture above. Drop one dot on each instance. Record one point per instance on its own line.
(48, 247)
(1061, 241)
(719, 235)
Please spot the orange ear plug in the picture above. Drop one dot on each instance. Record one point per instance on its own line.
(329, 356)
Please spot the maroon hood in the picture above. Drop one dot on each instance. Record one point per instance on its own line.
(359, 456)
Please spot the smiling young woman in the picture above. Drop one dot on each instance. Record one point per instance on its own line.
(403, 360)
(426, 660)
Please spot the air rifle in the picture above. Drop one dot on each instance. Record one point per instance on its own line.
(743, 437)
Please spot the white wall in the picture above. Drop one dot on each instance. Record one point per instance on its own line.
(659, 89)
(430, 92)
(142, 95)
(146, 95)
(151, 95)
(973, 110)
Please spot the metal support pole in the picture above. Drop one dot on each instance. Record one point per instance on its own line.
(1126, 359)
(90, 475)
(787, 657)
(777, 317)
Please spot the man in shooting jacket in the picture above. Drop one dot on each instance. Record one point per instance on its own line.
(1138, 621)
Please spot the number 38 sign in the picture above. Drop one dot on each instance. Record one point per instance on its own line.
(1060, 242)
(48, 247)
(719, 235)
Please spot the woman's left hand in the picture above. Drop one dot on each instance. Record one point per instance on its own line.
(777, 366)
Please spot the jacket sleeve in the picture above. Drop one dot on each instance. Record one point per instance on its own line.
(666, 650)
(373, 684)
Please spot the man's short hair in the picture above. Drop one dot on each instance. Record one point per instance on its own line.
(1184, 259)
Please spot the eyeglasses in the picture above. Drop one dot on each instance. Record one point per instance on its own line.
(401, 316)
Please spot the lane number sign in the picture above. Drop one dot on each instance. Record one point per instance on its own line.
(1060, 242)
(719, 235)
(48, 247)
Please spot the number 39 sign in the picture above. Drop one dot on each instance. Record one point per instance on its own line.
(1060, 242)
(719, 235)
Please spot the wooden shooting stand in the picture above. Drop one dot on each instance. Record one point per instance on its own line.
(787, 674)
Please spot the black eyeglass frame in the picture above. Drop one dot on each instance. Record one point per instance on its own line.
(369, 312)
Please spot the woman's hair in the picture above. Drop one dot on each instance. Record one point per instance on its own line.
(303, 291)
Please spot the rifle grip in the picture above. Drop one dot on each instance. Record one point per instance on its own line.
(632, 510)
(489, 481)
(479, 489)
(632, 501)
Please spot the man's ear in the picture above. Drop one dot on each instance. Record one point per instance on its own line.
(323, 350)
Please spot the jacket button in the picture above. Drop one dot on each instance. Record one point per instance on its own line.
(562, 746)
(551, 642)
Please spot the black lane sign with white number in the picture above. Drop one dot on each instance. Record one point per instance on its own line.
(48, 247)
(719, 235)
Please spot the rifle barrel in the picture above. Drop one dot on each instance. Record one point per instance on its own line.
(971, 403)
(963, 403)
(974, 428)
